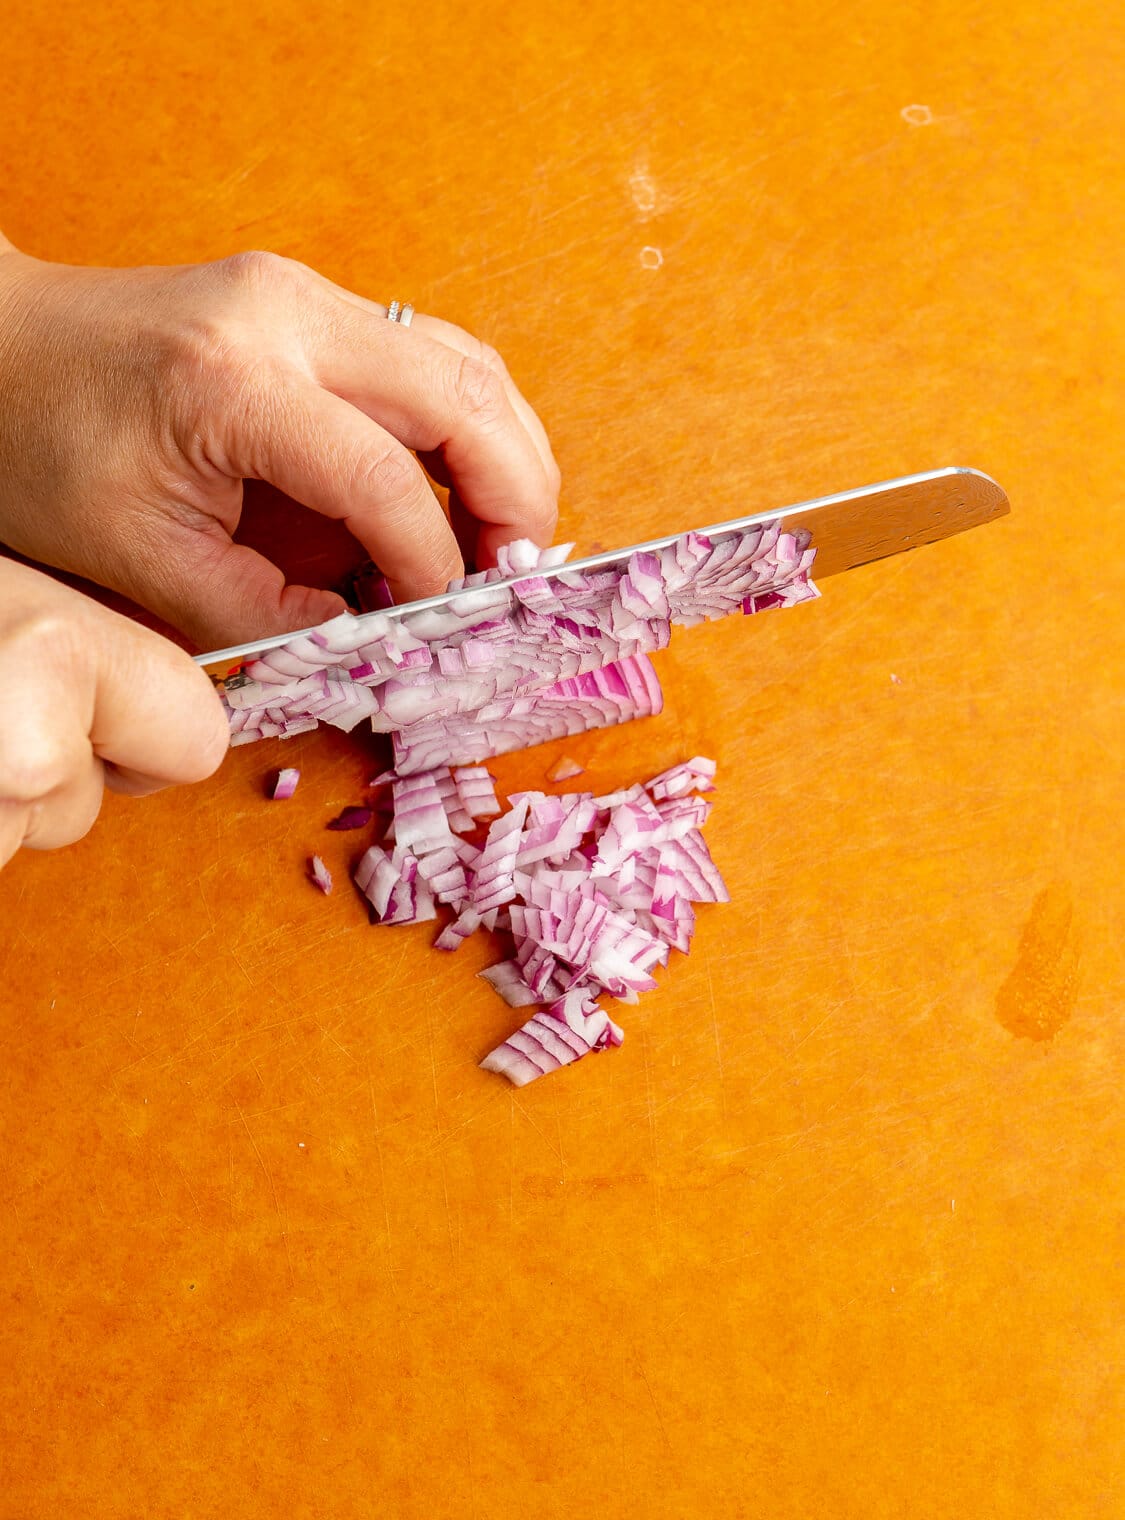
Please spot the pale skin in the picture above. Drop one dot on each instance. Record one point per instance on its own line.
(135, 404)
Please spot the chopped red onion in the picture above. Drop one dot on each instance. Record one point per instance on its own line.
(444, 874)
(564, 770)
(459, 820)
(594, 893)
(392, 885)
(507, 979)
(454, 934)
(616, 693)
(494, 876)
(503, 667)
(564, 1032)
(420, 820)
(285, 785)
(320, 874)
(693, 775)
(477, 790)
(351, 818)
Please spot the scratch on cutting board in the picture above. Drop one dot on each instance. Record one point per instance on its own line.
(328, 1035)
(562, 210)
(652, 1397)
(273, 1189)
(484, 273)
(382, 1184)
(444, 1136)
(1041, 989)
(27, 1256)
(715, 1031)
(545, 1139)
(191, 1190)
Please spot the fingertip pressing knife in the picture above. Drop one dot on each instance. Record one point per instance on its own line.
(847, 529)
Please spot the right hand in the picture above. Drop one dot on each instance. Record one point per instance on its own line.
(89, 699)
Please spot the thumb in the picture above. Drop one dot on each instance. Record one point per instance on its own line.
(219, 592)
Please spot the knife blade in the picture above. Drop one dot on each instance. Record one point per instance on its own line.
(847, 529)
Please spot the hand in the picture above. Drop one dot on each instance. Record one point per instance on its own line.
(136, 401)
(90, 699)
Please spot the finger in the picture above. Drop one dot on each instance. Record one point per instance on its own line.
(326, 454)
(480, 542)
(51, 781)
(156, 712)
(459, 402)
(13, 826)
(127, 783)
(461, 342)
(99, 689)
(49, 703)
(66, 814)
(465, 529)
(221, 593)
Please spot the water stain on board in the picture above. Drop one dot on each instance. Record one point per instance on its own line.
(1042, 987)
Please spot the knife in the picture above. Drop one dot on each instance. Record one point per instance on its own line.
(847, 529)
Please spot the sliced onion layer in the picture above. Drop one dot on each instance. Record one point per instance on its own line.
(504, 667)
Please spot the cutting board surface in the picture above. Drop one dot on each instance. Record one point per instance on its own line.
(838, 1230)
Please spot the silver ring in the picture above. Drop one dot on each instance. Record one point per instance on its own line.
(401, 312)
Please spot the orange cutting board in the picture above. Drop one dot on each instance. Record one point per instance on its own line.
(838, 1230)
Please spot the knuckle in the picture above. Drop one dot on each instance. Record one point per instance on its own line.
(207, 346)
(213, 747)
(541, 518)
(40, 765)
(257, 270)
(479, 393)
(490, 356)
(544, 531)
(50, 632)
(52, 827)
(216, 382)
(390, 476)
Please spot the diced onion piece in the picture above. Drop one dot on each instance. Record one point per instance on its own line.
(392, 886)
(419, 816)
(285, 785)
(695, 775)
(557, 1036)
(454, 935)
(320, 874)
(476, 788)
(494, 878)
(507, 979)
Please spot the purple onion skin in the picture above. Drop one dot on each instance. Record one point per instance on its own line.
(352, 818)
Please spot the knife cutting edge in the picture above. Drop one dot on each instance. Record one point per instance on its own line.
(847, 529)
